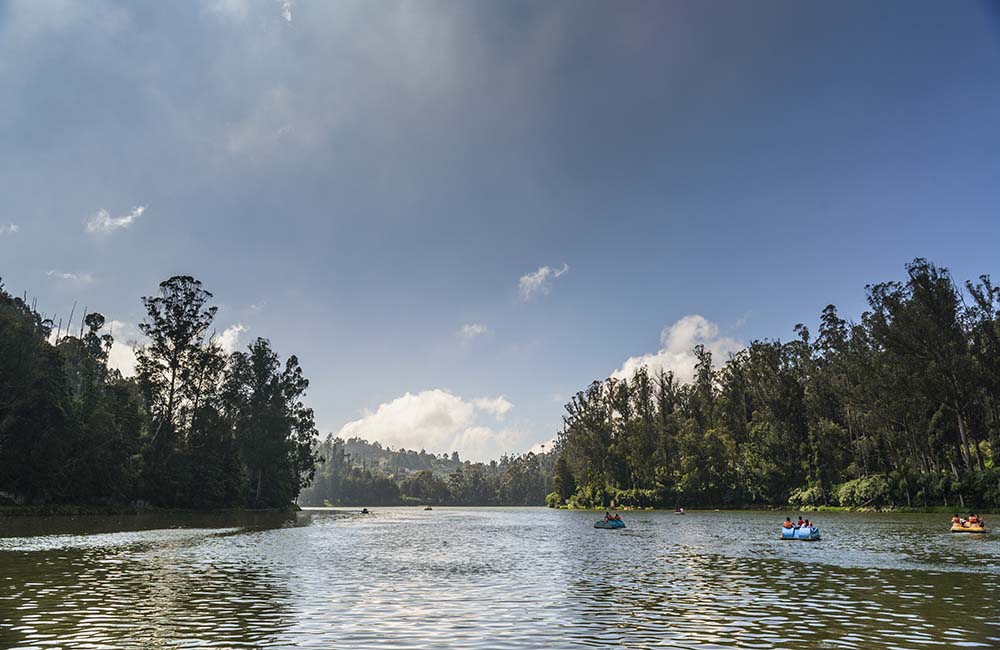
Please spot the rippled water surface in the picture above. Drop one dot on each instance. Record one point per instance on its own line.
(495, 578)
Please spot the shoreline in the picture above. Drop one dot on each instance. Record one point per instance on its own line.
(75, 510)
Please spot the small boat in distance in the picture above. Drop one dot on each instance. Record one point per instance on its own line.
(609, 523)
(679, 511)
(428, 508)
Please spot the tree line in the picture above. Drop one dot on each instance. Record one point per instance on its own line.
(195, 428)
(357, 472)
(899, 409)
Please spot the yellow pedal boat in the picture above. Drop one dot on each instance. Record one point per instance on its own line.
(959, 528)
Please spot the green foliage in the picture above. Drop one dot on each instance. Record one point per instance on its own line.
(808, 496)
(195, 428)
(426, 488)
(563, 480)
(868, 492)
(590, 496)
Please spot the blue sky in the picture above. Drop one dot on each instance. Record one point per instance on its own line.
(371, 184)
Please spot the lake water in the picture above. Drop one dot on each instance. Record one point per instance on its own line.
(495, 578)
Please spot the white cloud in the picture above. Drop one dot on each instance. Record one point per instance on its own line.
(539, 282)
(470, 331)
(677, 344)
(73, 278)
(286, 9)
(103, 222)
(498, 406)
(229, 340)
(438, 421)
(9, 229)
(122, 355)
(126, 337)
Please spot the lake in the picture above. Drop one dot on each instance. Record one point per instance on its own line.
(494, 578)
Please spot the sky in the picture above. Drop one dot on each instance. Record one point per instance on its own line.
(457, 214)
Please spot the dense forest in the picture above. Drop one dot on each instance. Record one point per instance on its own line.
(899, 409)
(195, 428)
(358, 472)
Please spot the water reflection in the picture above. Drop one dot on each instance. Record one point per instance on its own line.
(496, 578)
(150, 588)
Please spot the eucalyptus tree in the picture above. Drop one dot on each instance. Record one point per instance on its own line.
(275, 432)
(177, 324)
(168, 370)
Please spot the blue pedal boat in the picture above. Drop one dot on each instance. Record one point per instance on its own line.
(609, 524)
(803, 534)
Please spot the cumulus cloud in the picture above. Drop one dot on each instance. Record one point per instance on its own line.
(286, 9)
(438, 421)
(126, 337)
(470, 331)
(122, 355)
(72, 278)
(9, 229)
(229, 340)
(539, 282)
(677, 344)
(103, 222)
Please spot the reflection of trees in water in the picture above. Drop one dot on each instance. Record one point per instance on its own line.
(170, 592)
(215, 599)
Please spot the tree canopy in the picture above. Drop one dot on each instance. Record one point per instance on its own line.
(900, 408)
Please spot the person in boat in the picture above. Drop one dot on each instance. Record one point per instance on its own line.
(788, 523)
(617, 517)
(607, 516)
(801, 523)
(956, 520)
(973, 519)
(364, 511)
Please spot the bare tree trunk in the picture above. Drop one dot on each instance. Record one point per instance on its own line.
(966, 456)
(954, 470)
